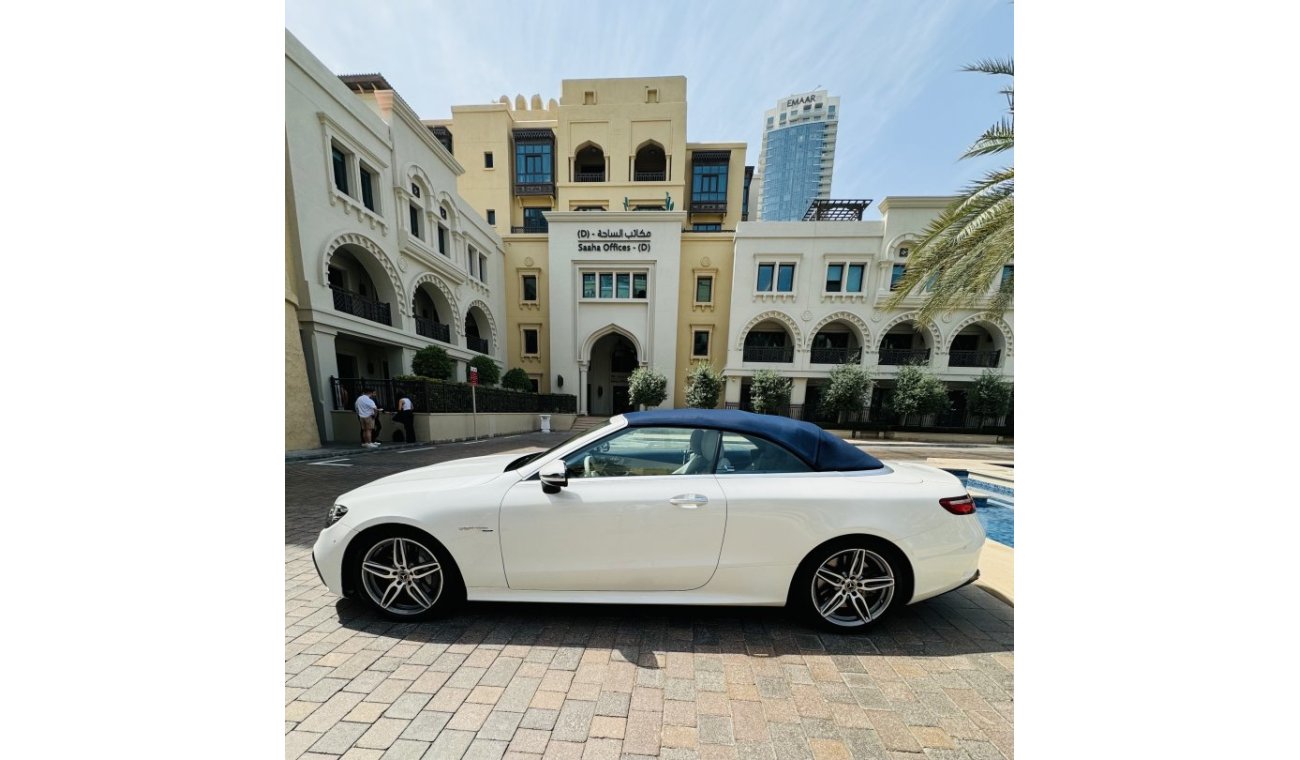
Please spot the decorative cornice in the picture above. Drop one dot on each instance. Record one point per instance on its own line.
(864, 332)
(358, 240)
(987, 318)
(778, 316)
(936, 338)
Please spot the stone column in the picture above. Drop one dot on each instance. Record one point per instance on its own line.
(323, 364)
(582, 389)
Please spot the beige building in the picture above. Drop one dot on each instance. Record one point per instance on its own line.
(617, 231)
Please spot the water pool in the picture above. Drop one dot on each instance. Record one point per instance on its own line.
(996, 513)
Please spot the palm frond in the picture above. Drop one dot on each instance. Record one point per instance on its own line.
(1004, 66)
(996, 139)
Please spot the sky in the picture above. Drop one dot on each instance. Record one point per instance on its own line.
(907, 111)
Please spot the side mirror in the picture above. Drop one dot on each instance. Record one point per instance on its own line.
(554, 476)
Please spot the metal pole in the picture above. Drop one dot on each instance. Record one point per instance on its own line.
(473, 398)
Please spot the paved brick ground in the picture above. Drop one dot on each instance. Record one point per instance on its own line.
(575, 681)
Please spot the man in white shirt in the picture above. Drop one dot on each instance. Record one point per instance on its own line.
(366, 411)
(406, 416)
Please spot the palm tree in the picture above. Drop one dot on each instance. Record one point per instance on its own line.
(963, 251)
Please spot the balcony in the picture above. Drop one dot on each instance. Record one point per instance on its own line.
(835, 355)
(658, 176)
(708, 206)
(534, 188)
(530, 228)
(431, 328)
(974, 358)
(478, 345)
(351, 303)
(900, 356)
(589, 176)
(779, 354)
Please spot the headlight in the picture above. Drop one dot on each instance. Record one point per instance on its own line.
(336, 513)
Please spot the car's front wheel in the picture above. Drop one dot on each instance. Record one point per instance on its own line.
(850, 584)
(404, 574)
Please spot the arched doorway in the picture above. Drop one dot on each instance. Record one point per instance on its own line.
(613, 357)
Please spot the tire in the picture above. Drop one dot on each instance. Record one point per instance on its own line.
(850, 584)
(404, 574)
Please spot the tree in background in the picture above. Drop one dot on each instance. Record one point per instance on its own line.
(703, 386)
(517, 380)
(963, 251)
(432, 361)
(990, 396)
(768, 391)
(647, 388)
(916, 391)
(488, 371)
(848, 392)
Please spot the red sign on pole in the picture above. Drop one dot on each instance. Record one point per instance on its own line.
(473, 375)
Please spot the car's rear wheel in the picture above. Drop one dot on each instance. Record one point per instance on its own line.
(850, 584)
(404, 574)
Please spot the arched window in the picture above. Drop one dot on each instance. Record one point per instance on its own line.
(651, 164)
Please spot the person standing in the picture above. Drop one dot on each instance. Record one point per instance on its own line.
(406, 416)
(367, 413)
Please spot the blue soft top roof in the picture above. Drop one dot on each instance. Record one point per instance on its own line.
(825, 452)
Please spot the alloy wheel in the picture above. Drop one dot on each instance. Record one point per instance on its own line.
(402, 576)
(853, 587)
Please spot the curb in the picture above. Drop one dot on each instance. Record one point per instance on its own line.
(1001, 597)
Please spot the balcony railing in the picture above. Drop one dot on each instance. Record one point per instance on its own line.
(708, 207)
(835, 355)
(899, 356)
(782, 354)
(350, 303)
(476, 344)
(658, 176)
(974, 358)
(432, 328)
(530, 228)
(589, 176)
(534, 188)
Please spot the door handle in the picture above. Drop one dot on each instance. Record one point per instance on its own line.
(689, 500)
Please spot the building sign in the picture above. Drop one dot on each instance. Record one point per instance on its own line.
(792, 102)
(620, 240)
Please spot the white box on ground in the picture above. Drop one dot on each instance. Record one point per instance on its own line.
(545, 420)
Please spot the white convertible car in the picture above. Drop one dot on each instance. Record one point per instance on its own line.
(662, 507)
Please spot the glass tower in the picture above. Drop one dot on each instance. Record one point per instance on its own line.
(798, 155)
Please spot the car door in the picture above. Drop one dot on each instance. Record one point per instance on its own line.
(642, 511)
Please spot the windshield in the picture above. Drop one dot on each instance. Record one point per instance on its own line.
(526, 458)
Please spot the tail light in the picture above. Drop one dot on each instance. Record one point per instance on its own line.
(959, 505)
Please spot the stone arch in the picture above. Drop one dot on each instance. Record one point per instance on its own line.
(906, 237)
(442, 288)
(492, 323)
(796, 334)
(357, 240)
(864, 333)
(591, 148)
(988, 319)
(644, 164)
(415, 173)
(611, 329)
(936, 339)
(453, 213)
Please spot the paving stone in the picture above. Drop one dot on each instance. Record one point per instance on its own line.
(485, 749)
(407, 706)
(679, 713)
(788, 742)
(426, 726)
(893, 731)
(382, 733)
(573, 721)
(613, 703)
(327, 714)
(562, 750)
(607, 727)
(341, 736)
(602, 749)
(651, 700)
(500, 724)
(406, 749)
(366, 712)
(538, 718)
(450, 745)
(529, 741)
(680, 736)
(716, 729)
(863, 743)
(642, 735)
(356, 753)
(297, 742)
(469, 717)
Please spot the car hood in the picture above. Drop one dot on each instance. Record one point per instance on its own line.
(458, 473)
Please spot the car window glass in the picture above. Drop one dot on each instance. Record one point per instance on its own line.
(744, 454)
(641, 451)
